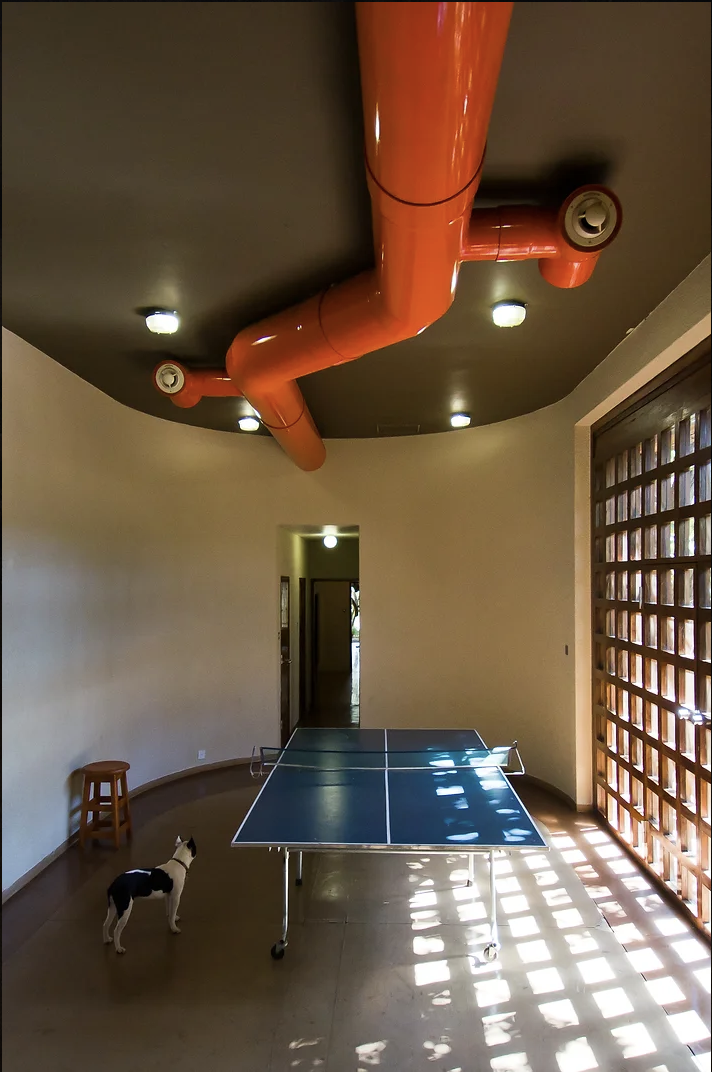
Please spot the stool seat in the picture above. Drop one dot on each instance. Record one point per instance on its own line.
(106, 766)
(105, 816)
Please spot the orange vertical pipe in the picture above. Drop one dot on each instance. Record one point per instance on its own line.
(428, 77)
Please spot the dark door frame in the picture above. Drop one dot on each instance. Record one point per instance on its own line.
(285, 661)
(302, 647)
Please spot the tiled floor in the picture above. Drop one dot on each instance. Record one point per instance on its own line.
(384, 968)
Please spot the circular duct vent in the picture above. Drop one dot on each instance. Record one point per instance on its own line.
(170, 378)
(592, 219)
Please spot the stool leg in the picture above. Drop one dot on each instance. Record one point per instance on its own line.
(115, 813)
(84, 813)
(127, 806)
(94, 797)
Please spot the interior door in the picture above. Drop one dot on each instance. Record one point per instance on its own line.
(333, 626)
(285, 660)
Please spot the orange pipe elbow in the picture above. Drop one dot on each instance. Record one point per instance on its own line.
(566, 271)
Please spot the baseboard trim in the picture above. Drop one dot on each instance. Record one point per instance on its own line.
(186, 773)
(37, 869)
(138, 791)
(529, 779)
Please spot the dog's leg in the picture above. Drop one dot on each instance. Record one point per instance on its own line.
(123, 920)
(110, 917)
(169, 906)
(172, 902)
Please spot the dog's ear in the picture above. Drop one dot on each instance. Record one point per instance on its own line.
(191, 845)
(179, 841)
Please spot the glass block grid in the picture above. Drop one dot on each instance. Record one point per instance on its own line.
(651, 652)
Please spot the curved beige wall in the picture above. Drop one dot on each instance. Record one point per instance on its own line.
(140, 581)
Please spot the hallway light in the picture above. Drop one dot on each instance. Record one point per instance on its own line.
(330, 541)
(509, 314)
(460, 420)
(248, 424)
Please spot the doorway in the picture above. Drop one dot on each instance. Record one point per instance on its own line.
(319, 626)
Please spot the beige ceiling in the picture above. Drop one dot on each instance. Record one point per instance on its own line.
(207, 157)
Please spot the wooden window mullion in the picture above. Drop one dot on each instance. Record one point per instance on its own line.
(651, 525)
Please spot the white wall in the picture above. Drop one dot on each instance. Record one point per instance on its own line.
(141, 561)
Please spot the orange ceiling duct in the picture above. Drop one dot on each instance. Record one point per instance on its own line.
(428, 78)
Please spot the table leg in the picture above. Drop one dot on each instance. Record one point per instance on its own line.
(300, 868)
(278, 948)
(471, 869)
(492, 949)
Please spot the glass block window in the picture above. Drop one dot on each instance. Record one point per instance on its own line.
(652, 638)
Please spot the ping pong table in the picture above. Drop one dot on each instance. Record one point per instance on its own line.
(392, 791)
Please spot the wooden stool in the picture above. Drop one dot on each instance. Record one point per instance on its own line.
(113, 774)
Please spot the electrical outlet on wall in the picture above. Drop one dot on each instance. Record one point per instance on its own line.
(201, 753)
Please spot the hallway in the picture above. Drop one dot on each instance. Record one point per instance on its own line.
(333, 703)
(336, 696)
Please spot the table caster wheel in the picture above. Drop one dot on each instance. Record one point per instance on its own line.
(491, 952)
(277, 950)
(297, 882)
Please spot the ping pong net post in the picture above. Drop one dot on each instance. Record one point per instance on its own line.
(506, 757)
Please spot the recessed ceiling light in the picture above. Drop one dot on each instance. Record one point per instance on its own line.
(509, 314)
(460, 420)
(330, 541)
(248, 424)
(163, 322)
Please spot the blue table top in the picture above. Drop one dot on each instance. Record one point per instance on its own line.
(386, 789)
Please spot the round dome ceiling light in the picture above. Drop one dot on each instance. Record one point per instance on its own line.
(460, 420)
(248, 424)
(163, 321)
(509, 314)
(330, 542)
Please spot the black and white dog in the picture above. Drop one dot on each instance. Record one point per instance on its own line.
(166, 880)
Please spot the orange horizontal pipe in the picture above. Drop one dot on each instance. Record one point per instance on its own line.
(428, 78)
(199, 383)
(525, 232)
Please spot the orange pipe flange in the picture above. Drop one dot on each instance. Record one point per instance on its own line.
(428, 78)
(185, 387)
